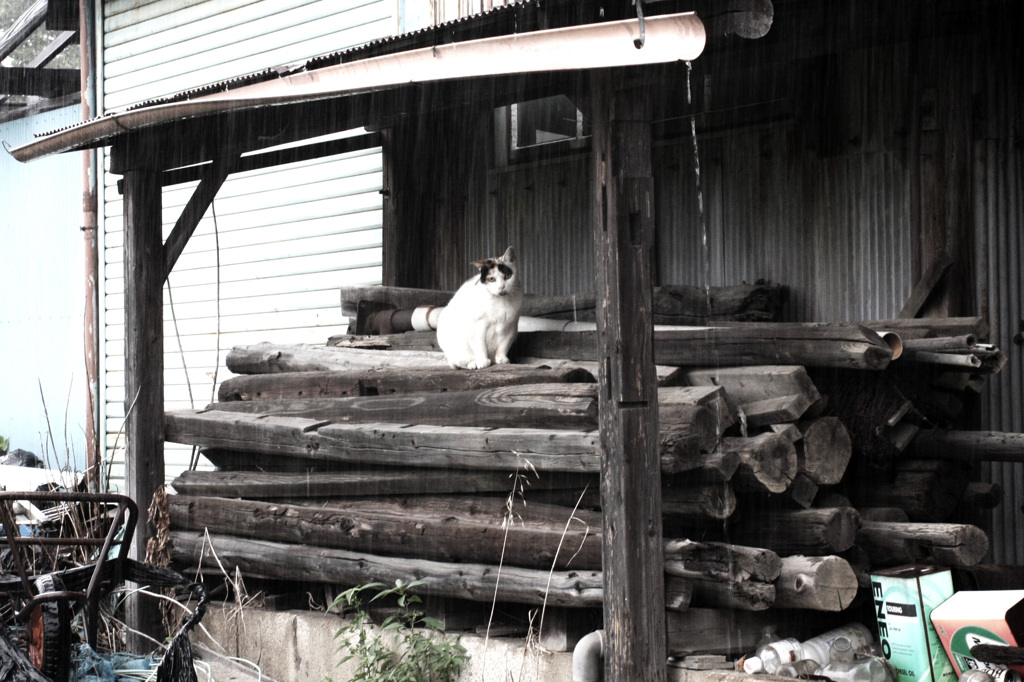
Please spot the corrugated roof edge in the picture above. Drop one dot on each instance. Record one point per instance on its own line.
(312, 64)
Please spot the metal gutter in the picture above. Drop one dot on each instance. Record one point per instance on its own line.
(668, 38)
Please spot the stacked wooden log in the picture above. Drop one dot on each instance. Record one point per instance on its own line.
(368, 459)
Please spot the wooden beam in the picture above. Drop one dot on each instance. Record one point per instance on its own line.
(257, 161)
(22, 28)
(628, 398)
(144, 357)
(925, 286)
(201, 199)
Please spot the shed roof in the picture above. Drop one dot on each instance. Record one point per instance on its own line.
(513, 39)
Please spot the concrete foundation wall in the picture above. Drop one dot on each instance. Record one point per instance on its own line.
(299, 646)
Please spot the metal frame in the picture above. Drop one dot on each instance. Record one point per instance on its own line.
(104, 572)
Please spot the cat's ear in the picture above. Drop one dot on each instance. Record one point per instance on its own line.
(485, 264)
(510, 255)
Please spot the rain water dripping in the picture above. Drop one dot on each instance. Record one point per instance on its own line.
(706, 262)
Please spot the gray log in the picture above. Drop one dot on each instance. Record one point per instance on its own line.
(969, 446)
(810, 532)
(768, 461)
(815, 345)
(821, 583)
(463, 535)
(477, 582)
(263, 485)
(824, 450)
(951, 544)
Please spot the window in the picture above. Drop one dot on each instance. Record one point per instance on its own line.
(525, 128)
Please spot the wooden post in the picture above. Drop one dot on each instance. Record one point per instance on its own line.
(144, 357)
(634, 582)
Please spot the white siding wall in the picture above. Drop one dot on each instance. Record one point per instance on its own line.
(269, 266)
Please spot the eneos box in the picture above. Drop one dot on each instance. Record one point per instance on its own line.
(904, 598)
(969, 618)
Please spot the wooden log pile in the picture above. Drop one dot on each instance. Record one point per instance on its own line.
(795, 459)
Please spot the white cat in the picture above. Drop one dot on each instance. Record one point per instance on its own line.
(479, 324)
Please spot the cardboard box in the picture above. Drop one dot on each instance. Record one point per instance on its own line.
(904, 598)
(980, 617)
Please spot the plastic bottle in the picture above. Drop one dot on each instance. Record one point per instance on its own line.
(819, 647)
(842, 650)
(769, 657)
(861, 670)
(805, 667)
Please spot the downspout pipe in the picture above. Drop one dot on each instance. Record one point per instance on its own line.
(87, 42)
(588, 658)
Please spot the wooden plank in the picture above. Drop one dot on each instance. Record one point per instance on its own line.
(294, 385)
(630, 473)
(389, 444)
(687, 430)
(477, 582)
(755, 383)
(542, 406)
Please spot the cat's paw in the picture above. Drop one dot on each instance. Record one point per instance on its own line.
(500, 360)
(478, 364)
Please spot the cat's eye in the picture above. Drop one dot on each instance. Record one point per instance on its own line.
(491, 278)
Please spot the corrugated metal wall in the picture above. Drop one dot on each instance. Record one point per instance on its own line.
(999, 211)
(816, 229)
(42, 256)
(268, 267)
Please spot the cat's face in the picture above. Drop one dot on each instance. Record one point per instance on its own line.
(498, 275)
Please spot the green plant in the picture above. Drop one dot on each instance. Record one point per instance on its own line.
(407, 646)
(5, 445)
